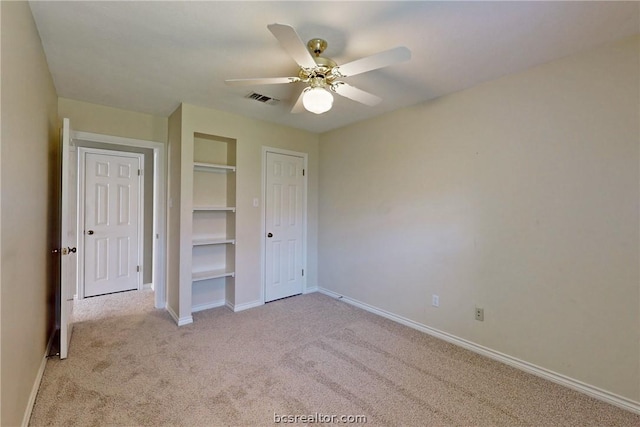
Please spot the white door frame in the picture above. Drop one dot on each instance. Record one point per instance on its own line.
(263, 239)
(82, 176)
(158, 281)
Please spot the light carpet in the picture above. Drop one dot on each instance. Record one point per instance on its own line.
(129, 365)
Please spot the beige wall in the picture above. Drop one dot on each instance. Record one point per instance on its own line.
(29, 205)
(519, 196)
(173, 211)
(95, 118)
(251, 135)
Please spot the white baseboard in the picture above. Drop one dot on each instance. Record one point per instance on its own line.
(207, 306)
(36, 383)
(245, 306)
(310, 290)
(179, 321)
(598, 393)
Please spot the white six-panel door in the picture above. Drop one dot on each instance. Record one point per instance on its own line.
(284, 226)
(112, 219)
(68, 236)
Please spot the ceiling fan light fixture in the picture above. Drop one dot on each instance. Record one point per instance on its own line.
(317, 100)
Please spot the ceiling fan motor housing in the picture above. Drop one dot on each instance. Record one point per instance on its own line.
(321, 71)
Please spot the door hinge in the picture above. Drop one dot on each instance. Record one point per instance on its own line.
(139, 172)
(303, 272)
(138, 268)
(302, 172)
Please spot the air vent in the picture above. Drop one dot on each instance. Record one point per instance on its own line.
(262, 98)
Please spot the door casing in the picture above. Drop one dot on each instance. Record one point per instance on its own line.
(263, 240)
(82, 176)
(158, 282)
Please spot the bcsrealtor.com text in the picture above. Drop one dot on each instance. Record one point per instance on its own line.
(318, 418)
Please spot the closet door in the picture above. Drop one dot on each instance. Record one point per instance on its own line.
(112, 222)
(284, 226)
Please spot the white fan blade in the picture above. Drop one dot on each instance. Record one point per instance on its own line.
(298, 107)
(291, 42)
(356, 94)
(373, 62)
(265, 81)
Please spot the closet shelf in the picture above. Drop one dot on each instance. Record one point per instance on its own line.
(211, 240)
(213, 167)
(211, 274)
(214, 208)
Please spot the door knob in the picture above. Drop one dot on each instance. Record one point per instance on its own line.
(90, 232)
(270, 235)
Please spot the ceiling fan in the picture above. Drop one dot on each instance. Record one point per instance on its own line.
(323, 74)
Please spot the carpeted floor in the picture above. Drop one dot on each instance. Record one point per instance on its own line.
(129, 364)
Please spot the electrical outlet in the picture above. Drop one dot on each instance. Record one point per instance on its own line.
(480, 314)
(435, 300)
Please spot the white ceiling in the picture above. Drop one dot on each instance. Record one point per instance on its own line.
(150, 56)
